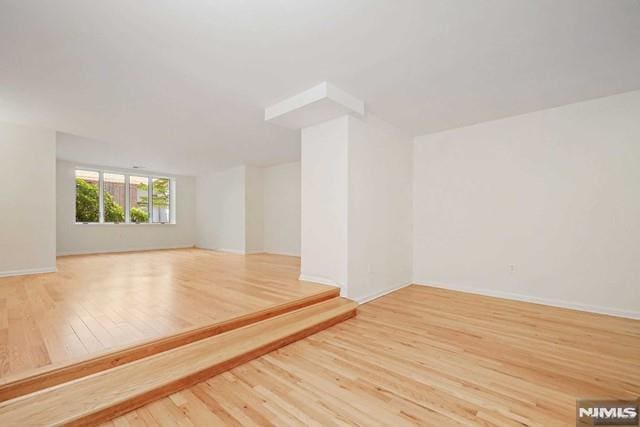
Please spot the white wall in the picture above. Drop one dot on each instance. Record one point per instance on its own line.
(254, 212)
(220, 208)
(282, 209)
(250, 209)
(27, 199)
(324, 189)
(357, 206)
(555, 194)
(75, 238)
(380, 231)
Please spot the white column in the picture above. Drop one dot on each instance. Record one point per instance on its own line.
(324, 184)
(356, 175)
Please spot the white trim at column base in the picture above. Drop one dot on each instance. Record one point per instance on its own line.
(377, 295)
(27, 271)
(318, 279)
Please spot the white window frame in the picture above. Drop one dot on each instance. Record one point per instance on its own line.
(75, 194)
(170, 184)
(149, 201)
(127, 174)
(126, 192)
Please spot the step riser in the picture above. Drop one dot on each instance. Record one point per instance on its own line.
(116, 358)
(175, 386)
(107, 394)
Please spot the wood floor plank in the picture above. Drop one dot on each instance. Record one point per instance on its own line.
(29, 381)
(51, 319)
(432, 357)
(127, 387)
(418, 356)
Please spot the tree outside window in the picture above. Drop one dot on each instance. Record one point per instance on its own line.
(114, 189)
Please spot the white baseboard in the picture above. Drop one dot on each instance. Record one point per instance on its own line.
(112, 251)
(231, 251)
(26, 271)
(282, 253)
(239, 252)
(536, 300)
(318, 279)
(377, 295)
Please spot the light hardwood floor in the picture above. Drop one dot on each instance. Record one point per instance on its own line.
(113, 392)
(99, 302)
(423, 356)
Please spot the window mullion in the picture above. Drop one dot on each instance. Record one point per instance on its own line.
(101, 197)
(150, 199)
(127, 200)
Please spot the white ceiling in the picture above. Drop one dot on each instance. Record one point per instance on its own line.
(181, 86)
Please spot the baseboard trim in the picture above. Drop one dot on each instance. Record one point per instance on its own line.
(282, 253)
(629, 314)
(239, 252)
(115, 251)
(28, 271)
(231, 251)
(318, 279)
(377, 295)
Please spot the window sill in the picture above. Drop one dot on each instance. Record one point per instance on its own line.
(123, 224)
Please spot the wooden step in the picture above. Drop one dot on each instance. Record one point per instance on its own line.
(109, 393)
(27, 382)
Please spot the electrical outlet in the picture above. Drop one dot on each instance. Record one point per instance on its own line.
(512, 268)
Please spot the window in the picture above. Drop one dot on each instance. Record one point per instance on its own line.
(139, 197)
(113, 193)
(87, 196)
(109, 197)
(160, 200)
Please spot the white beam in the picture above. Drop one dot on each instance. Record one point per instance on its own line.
(315, 105)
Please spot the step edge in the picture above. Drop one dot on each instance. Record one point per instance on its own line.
(133, 401)
(197, 377)
(42, 378)
(342, 305)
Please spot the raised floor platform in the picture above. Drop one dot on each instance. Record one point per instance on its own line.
(108, 393)
(194, 313)
(97, 303)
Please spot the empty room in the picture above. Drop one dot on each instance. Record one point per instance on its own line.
(319, 212)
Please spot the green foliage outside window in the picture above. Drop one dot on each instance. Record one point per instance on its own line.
(88, 204)
(113, 212)
(138, 215)
(160, 193)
